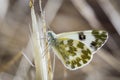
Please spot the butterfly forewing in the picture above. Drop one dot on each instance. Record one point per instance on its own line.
(93, 39)
(73, 53)
(75, 49)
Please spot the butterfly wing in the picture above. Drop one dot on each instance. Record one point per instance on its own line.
(73, 53)
(93, 39)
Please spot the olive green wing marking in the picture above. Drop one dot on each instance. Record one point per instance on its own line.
(73, 53)
(93, 39)
(100, 38)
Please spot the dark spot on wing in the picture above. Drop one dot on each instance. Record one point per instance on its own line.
(82, 36)
(70, 42)
(99, 38)
(80, 45)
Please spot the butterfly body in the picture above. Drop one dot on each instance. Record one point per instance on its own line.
(75, 49)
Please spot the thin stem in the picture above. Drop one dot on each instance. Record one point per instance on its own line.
(42, 64)
(36, 44)
(48, 75)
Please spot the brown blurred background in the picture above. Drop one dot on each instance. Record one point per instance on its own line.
(61, 16)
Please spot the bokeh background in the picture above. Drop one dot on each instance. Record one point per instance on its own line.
(61, 16)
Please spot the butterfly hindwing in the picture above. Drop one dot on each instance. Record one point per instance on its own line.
(93, 39)
(75, 49)
(73, 53)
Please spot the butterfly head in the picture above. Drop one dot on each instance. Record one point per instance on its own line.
(51, 37)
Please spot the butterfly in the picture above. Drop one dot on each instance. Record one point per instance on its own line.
(76, 49)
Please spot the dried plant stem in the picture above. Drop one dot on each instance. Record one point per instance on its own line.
(22, 70)
(11, 62)
(49, 73)
(45, 44)
(51, 9)
(109, 59)
(36, 45)
(87, 12)
(42, 64)
(112, 14)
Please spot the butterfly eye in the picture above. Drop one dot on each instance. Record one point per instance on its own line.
(82, 36)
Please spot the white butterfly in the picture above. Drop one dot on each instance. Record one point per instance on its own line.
(76, 49)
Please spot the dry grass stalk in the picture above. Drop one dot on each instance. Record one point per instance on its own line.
(39, 45)
(87, 12)
(111, 12)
